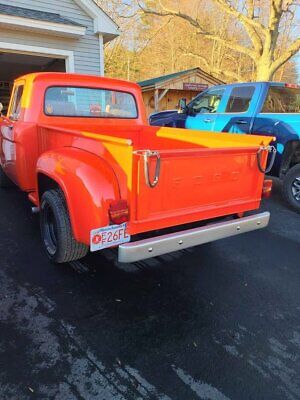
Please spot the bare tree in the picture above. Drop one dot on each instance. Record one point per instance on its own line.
(262, 31)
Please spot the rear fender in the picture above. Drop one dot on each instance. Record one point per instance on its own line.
(290, 157)
(89, 185)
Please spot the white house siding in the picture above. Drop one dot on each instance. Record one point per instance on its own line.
(86, 49)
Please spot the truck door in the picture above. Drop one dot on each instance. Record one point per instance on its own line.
(238, 109)
(8, 143)
(203, 110)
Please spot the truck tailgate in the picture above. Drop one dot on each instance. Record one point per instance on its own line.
(198, 183)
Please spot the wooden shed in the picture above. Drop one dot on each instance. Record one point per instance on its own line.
(164, 92)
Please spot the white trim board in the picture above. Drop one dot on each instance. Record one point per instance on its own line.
(103, 24)
(41, 26)
(41, 51)
(101, 47)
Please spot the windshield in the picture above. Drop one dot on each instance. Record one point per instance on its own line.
(89, 102)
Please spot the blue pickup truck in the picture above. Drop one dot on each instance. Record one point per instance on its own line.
(266, 108)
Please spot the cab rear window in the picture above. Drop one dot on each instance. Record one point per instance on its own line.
(89, 102)
(282, 99)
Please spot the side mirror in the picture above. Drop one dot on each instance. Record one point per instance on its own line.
(182, 107)
(1, 109)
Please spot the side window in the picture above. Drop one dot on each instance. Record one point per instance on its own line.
(15, 109)
(207, 103)
(282, 99)
(240, 98)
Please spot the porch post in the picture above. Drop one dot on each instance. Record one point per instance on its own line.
(156, 100)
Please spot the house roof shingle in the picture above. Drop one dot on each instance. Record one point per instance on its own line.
(34, 14)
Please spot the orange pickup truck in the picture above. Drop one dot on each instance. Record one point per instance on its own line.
(100, 176)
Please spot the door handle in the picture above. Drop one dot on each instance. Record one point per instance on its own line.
(241, 122)
(207, 120)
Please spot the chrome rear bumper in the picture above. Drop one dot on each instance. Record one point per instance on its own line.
(159, 245)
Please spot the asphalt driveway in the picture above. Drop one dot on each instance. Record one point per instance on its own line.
(221, 321)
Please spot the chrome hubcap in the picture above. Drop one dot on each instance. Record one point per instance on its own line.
(296, 188)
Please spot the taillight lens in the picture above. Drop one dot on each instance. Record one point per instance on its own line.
(292, 85)
(118, 212)
(267, 188)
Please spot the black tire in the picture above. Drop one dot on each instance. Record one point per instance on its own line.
(5, 182)
(56, 230)
(291, 187)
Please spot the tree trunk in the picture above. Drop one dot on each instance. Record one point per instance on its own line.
(264, 70)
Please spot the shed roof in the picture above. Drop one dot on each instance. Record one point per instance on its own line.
(160, 79)
(36, 15)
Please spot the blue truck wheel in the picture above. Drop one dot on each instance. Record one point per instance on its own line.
(291, 187)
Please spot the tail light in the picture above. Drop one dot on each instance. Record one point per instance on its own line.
(292, 86)
(267, 188)
(118, 212)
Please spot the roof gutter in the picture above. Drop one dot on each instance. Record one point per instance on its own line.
(35, 25)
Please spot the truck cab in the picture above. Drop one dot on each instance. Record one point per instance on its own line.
(260, 108)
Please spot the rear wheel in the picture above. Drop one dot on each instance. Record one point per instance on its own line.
(291, 187)
(5, 182)
(56, 230)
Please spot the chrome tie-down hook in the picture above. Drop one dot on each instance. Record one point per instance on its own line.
(147, 154)
(270, 149)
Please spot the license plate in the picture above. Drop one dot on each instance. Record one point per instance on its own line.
(109, 236)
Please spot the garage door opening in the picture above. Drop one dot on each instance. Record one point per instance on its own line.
(14, 65)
